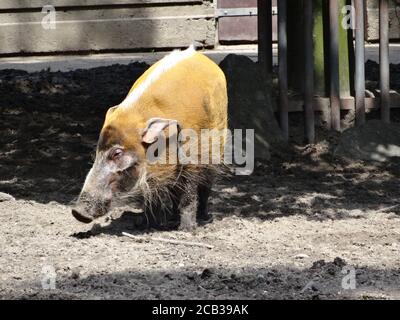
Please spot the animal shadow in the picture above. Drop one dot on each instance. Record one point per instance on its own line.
(130, 222)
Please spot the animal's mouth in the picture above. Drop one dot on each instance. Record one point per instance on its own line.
(88, 209)
(81, 217)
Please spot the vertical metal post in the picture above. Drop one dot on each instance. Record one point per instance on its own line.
(384, 59)
(309, 71)
(359, 81)
(334, 63)
(265, 35)
(283, 74)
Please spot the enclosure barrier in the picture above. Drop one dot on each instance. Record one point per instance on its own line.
(308, 76)
(334, 103)
(283, 68)
(384, 59)
(359, 80)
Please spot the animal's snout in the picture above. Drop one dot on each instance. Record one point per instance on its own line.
(89, 207)
(81, 217)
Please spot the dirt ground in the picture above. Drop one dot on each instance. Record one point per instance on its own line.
(303, 226)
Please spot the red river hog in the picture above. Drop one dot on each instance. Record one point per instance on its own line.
(165, 116)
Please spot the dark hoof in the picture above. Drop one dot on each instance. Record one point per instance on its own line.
(173, 224)
(205, 219)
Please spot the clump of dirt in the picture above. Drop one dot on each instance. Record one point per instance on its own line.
(251, 104)
(372, 74)
(303, 226)
(375, 140)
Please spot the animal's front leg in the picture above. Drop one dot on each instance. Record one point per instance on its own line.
(203, 216)
(152, 212)
(174, 215)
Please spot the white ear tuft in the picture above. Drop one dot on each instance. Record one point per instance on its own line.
(154, 128)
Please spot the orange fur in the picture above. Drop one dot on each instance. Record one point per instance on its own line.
(193, 92)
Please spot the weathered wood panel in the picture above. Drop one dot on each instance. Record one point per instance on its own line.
(237, 3)
(241, 29)
(189, 12)
(111, 29)
(27, 4)
(237, 29)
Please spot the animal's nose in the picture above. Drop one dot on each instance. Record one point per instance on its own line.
(81, 217)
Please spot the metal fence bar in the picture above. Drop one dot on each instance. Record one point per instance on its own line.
(384, 59)
(265, 35)
(309, 72)
(283, 74)
(359, 80)
(334, 64)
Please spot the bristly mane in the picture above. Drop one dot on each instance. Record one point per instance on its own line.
(164, 65)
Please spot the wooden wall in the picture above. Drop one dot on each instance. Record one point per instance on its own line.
(105, 25)
(140, 25)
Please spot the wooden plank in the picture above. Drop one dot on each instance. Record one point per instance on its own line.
(171, 12)
(359, 79)
(236, 3)
(283, 68)
(264, 30)
(241, 29)
(347, 103)
(346, 71)
(334, 64)
(97, 30)
(384, 70)
(308, 72)
(320, 40)
(30, 4)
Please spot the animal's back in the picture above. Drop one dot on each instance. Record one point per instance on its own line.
(193, 91)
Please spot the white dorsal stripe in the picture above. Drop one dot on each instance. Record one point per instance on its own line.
(164, 65)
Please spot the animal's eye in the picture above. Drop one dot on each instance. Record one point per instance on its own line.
(116, 154)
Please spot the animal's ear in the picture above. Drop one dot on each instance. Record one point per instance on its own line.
(154, 128)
